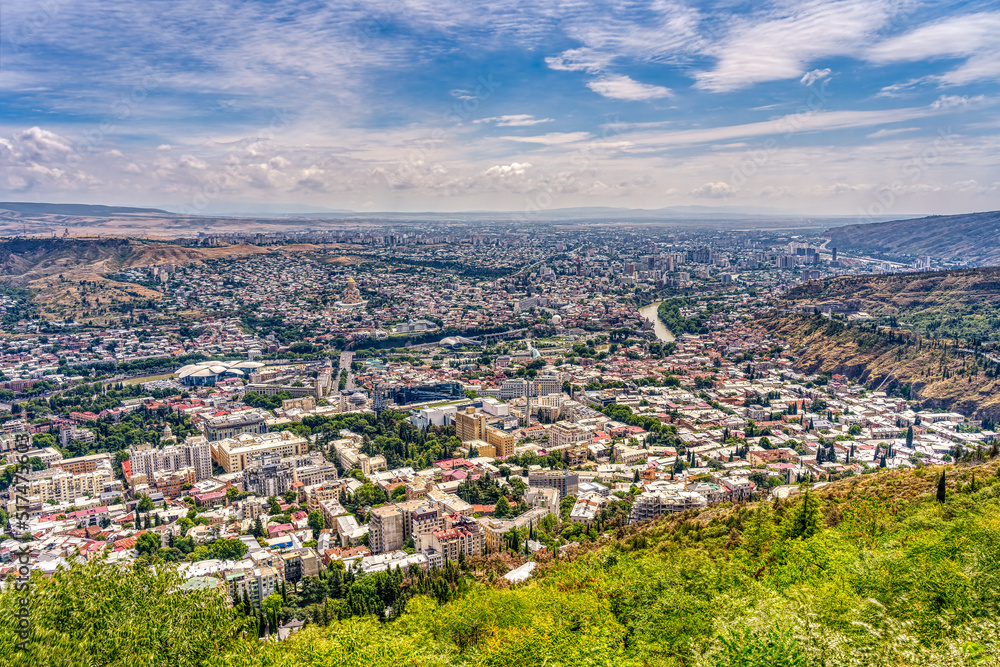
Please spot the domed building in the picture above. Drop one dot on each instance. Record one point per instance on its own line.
(556, 320)
(207, 373)
(352, 296)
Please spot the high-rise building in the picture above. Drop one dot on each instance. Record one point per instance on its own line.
(195, 452)
(385, 529)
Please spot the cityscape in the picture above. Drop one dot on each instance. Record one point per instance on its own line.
(322, 387)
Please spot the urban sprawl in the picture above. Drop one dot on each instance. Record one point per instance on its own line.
(391, 401)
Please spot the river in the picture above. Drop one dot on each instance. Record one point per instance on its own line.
(661, 331)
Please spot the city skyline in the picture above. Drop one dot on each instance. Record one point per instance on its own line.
(816, 108)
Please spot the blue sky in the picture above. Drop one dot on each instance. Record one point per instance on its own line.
(875, 107)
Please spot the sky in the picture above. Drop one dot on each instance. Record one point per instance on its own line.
(862, 108)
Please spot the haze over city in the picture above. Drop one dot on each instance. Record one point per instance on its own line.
(281, 107)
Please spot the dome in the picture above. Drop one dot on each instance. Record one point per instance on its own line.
(358, 399)
(557, 320)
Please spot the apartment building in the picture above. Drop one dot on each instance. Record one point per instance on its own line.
(563, 481)
(195, 452)
(564, 433)
(426, 519)
(385, 529)
(84, 464)
(234, 454)
(470, 425)
(464, 536)
(250, 422)
(61, 486)
(502, 441)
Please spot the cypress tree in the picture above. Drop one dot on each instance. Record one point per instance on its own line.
(941, 488)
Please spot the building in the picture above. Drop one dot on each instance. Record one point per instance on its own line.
(565, 433)
(547, 385)
(59, 486)
(234, 454)
(208, 373)
(268, 475)
(586, 508)
(464, 536)
(501, 440)
(426, 519)
(661, 498)
(563, 481)
(69, 433)
(195, 452)
(84, 464)
(512, 388)
(470, 425)
(252, 422)
(385, 529)
(352, 297)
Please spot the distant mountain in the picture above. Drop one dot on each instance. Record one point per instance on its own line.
(92, 210)
(971, 237)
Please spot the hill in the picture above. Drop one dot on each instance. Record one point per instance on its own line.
(963, 304)
(936, 374)
(41, 208)
(58, 272)
(870, 570)
(972, 238)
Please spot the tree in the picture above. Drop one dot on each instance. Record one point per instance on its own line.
(941, 488)
(804, 522)
(317, 522)
(147, 543)
(271, 606)
(145, 503)
(909, 436)
(502, 509)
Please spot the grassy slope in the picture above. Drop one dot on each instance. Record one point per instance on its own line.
(891, 578)
(870, 359)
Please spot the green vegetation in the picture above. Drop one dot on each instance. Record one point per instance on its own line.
(881, 570)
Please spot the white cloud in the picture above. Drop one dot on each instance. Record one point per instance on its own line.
(720, 190)
(504, 170)
(552, 138)
(622, 87)
(975, 37)
(786, 125)
(779, 43)
(946, 102)
(809, 78)
(514, 120)
(890, 132)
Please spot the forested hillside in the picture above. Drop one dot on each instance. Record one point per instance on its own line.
(883, 569)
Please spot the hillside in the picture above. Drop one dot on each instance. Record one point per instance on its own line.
(870, 571)
(937, 375)
(42, 208)
(962, 304)
(60, 271)
(973, 238)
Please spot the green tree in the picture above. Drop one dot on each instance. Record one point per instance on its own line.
(502, 509)
(317, 522)
(941, 488)
(145, 503)
(147, 543)
(804, 521)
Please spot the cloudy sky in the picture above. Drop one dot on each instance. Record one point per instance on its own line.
(877, 106)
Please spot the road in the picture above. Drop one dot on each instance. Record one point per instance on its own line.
(346, 358)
